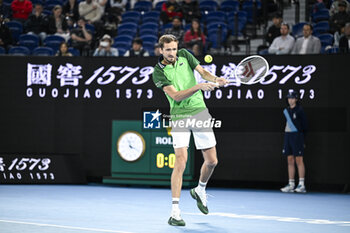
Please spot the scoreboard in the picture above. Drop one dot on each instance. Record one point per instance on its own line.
(144, 156)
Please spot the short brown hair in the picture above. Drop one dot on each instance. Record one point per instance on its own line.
(167, 38)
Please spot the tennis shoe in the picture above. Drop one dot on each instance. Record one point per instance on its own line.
(201, 198)
(300, 189)
(175, 219)
(288, 189)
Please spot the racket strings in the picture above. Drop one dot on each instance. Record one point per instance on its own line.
(251, 70)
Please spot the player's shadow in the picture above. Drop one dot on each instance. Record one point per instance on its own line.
(204, 227)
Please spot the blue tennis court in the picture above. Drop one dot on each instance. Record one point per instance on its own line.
(99, 208)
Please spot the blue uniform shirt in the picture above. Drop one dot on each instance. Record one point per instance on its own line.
(296, 119)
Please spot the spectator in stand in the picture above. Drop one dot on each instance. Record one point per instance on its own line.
(103, 4)
(105, 48)
(81, 38)
(21, 9)
(344, 41)
(63, 51)
(275, 29)
(136, 50)
(5, 11)
(71, 9)
(194, 38)
(90, 10)
(5, 34)
(338, 20)
(335, 7)
(170, 9)
(308, 44)
(58, 24)
(37, 23)
(92, 13)
(176, 30)
(190, 10)
(117, 7)
(157, 50)
(284, 43)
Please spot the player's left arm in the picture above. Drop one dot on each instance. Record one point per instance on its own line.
(210, 77)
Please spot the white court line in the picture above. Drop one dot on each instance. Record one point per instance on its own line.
(278, 218)
(62, 226)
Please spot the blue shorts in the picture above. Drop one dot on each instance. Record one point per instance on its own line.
(293, 144)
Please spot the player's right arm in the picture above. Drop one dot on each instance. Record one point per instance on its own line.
(184, 94)
(163, 83)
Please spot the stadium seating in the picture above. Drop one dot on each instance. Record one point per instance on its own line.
(131, 14)
(127, 29)
(317, 7)
(47, 12)
(208, 6)
(229, 6)
(332, 50)
(188, 26)
(297, 29)
(320, 15)
(264, 52)
(219, 19)
(143, 6)
(16, 29)
(29, 41)
(53, 41)
(123, 39)
(90, 27)
(217, 34)
(148, 29)
(74, 52)
(2, 50)
(320, 28)
(130, 20)
(122, 48)
(236, 29)
(326, 39)
(149, 46)
(165, 26)
(151, 16)
(37, 2)
(54, 2)
(43, 51)
(251, 9)
(19, 50)
(149, 38)
(216, 16)
(158, 6)
(241, 15)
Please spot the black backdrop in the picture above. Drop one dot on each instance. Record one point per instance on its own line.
(38, 115)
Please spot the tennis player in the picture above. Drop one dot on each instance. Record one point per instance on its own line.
(293, 148)
(174, 75)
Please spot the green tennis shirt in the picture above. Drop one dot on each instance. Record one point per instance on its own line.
(181, 76)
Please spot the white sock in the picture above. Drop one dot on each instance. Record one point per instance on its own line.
(175, 204)
(201, 186)
(292, 182)
(301, 181)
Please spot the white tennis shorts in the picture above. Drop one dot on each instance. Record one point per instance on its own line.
(204, 137)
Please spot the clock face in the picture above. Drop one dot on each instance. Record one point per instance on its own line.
(131, 146)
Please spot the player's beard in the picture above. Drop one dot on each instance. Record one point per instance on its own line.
(170, 62)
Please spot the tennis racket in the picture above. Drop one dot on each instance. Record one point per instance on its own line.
(251, 70)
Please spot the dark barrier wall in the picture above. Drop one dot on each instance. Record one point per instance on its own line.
(55, 105)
